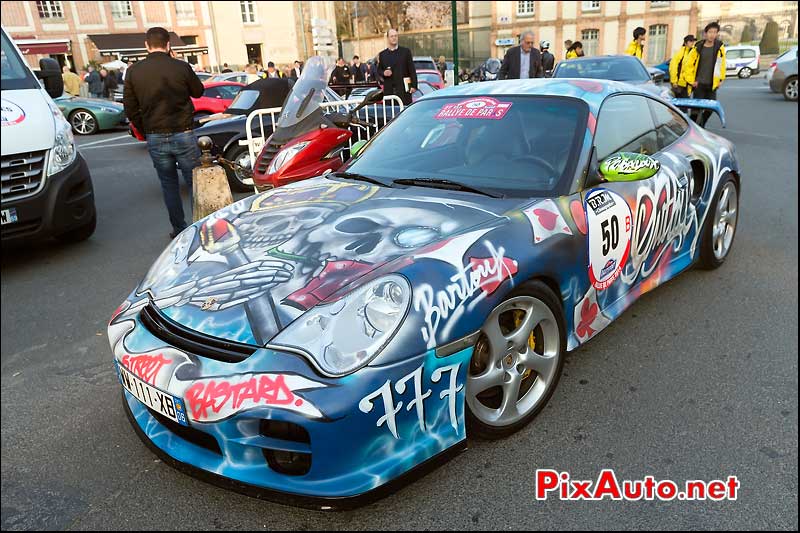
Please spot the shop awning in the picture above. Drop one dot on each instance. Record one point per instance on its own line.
(43, 46)
(128, 43)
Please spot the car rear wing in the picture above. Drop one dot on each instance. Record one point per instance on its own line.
(371, 113)
(688, 104)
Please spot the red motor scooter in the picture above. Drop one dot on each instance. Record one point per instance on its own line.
(307, 142)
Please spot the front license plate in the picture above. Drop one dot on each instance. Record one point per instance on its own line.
(159, 401)
(8, 216)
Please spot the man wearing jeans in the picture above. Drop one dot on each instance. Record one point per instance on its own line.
(157, 99)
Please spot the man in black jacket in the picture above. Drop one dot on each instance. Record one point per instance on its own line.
(523, 61)
(396, 69)
(548, 59)
(158, 101)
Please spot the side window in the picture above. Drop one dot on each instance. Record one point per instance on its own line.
(734, 54)
(748, 54)
(625, 124)
(211, 92)
(669, 124)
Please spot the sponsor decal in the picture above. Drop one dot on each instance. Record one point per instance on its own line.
(214, 399)
(12, 114)
(629, 164)
(546, 220)
(609, 221)
(483, 107)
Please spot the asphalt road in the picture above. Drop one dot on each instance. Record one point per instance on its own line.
(698, 380)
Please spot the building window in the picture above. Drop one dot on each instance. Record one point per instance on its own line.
(525, 9)
(659, 3)
(248, 11)
(590, 6)
(184, 10)
(590, 40)
(656, 44)
(50, 10)
(189, 39)
(121, 10)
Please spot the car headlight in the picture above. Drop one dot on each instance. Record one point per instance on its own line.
(343, 336)
(110, 109)
(63, 152)
(286, 155)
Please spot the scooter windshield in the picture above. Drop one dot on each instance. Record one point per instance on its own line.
(307, 93)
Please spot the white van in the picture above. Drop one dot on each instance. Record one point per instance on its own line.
(46, 187)
(742, 60)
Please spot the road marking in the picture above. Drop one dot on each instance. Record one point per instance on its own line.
(109, 145)
(104, 140)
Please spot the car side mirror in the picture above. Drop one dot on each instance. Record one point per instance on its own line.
(657, 77)
(357, 147)
(628, 166)
(50, 74)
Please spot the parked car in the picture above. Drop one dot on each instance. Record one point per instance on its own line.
(742, 60)
(423, 89)
(90, 115)
(322, 342)
(782, 75)
(217, 96)
(629, 69)
(424, 63)
(434, 77)
(204, 76)
(47, 188)
(238, 77)
(663, 67)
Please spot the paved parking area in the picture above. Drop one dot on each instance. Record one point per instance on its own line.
(698, 380)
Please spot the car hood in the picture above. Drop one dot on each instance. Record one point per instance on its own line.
(250, 269)
(28, 123)
(89, 102)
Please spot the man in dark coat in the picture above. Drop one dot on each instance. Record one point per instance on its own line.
(523, 61)
(396, 69)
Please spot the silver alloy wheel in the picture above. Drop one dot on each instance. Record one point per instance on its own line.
(521, 372)
(242, 161)
(791, 90)
(725, 218)
(83, 122)
(745, 73)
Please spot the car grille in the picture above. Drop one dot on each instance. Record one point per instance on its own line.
(192, 341)
(22, 174)
(269, 152)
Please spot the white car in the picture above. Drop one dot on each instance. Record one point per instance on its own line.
(743, 61)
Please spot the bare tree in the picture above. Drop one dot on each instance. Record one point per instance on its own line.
(385, 15)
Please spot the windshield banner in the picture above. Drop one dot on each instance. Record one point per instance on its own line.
(483, 107)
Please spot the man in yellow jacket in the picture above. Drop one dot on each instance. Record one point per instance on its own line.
(705, 68)
(636, 48)
(677, 68)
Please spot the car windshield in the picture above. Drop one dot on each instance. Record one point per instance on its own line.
(244, 100)
(519, 146)
(14, 73)
(308, 93)
(424, 64)
(604, 68)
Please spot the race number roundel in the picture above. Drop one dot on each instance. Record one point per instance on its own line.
(608, 218)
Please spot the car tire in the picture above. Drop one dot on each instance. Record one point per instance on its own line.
(790, 89)
(523, 354)
(81, 233)
(745, 72)
(83, 122)
(238, 154)
(720, 227)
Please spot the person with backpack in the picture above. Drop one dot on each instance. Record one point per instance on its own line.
(677, 72)
(705, 69)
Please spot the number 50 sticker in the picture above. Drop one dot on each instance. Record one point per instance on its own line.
(609, 222)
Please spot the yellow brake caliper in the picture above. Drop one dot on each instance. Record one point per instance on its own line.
(518, 317)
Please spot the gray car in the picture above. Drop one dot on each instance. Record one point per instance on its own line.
(629, 69)
(782, 75)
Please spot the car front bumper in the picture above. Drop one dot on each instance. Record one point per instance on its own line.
(363, 433)
(65, 202)
(107, 120)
